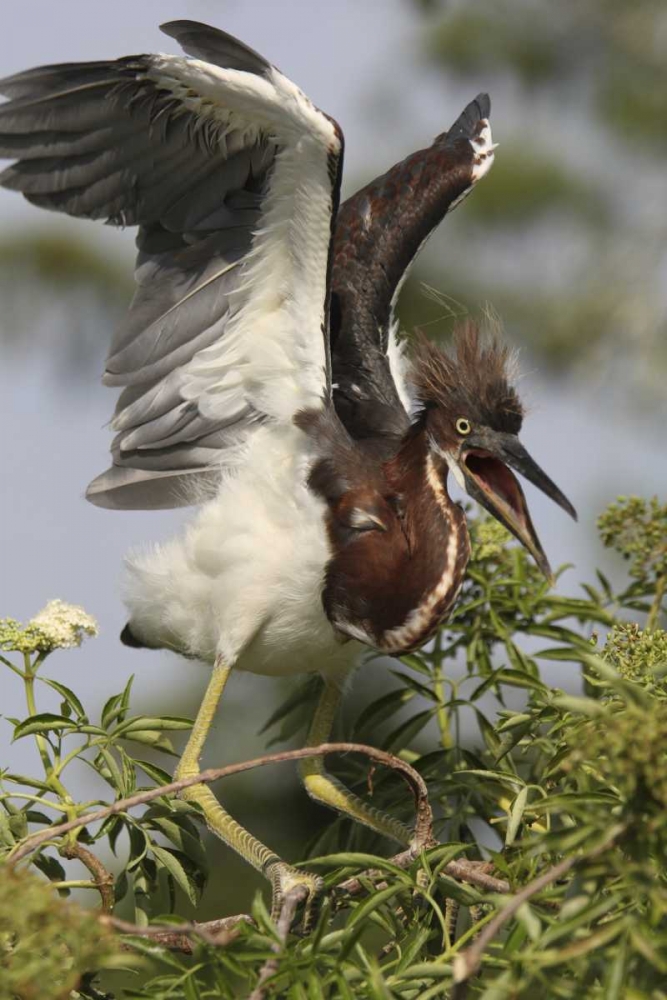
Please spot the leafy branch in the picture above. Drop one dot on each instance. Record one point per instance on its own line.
(550, 812)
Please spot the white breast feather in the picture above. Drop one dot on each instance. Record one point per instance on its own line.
(246, 576)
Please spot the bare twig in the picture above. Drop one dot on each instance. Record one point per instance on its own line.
(477, 874)
(179, 937)
(474, 872)
(423, 821)
(468, 962)
(104, 880)
(283, 925)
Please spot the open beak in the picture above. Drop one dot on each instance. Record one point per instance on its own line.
(484, 462)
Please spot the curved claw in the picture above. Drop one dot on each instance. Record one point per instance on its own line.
(291, 886)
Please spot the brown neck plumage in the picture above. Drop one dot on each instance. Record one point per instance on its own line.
(399, 544)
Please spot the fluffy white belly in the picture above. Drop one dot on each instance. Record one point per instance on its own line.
(245, 578)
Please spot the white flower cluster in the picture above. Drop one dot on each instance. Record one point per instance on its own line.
(64, 625)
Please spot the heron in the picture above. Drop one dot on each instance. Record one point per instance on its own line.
(262, 378)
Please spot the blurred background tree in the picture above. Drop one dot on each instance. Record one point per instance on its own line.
(568, 241)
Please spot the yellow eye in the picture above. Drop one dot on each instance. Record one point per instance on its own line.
(463, 426)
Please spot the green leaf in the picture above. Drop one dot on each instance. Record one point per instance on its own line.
(356, 860)
(424, 970)
(417, 686)
(509, 780)
(439, 857)
(459, 891)
(7, 838)
(187, 843)
(129, 773)
(575, 925)
(18, 824)
(550, 956)
(117, 705)
(579, 705)
(107, 768)
(158, 774)
(23, 779)
(411, 947)
(516, 816)
(45, 722)
(566, 654)
(139, 844)
(69, 697)
(616, 973)
(305, 693)
(501, 988)
(175, 868)
(383, 708)
(147, 723)
(150, 738)
(112, 827)
(110, 710)
(514, 720)
(50, 867)
(364, 910)
(489, 734)
(415, 663)
(558, 633)
(520, 679)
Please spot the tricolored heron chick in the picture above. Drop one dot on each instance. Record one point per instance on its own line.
(262, 379)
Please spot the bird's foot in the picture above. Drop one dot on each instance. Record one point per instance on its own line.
(289, 883)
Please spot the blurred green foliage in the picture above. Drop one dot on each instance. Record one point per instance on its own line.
(45, 944)
(527, 184)
(616, 49)
(551, 782)
(61, 295)
(584, 86)
(60, 262)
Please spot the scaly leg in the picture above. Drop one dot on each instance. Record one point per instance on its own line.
(283, 877)
(328, 790)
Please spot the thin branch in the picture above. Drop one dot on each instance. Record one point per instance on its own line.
(468, 962)
(283, 925)
(474, 872)
(178, 937)
(102, 877)
(424, 815)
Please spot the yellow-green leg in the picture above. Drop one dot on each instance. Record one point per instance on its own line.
(283, 877)
(328, 790)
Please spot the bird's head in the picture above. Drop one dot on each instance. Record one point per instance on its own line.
(472, 415)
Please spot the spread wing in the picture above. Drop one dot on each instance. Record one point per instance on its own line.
(232, 177)
(379, 232)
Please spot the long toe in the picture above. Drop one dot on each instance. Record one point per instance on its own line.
(291, 885)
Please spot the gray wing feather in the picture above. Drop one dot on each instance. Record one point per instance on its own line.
(103, 140)
(43, 80)
(216, 46)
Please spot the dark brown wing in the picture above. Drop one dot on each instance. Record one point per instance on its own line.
(379, 232)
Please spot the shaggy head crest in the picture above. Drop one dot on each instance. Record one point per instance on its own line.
(475, 380)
